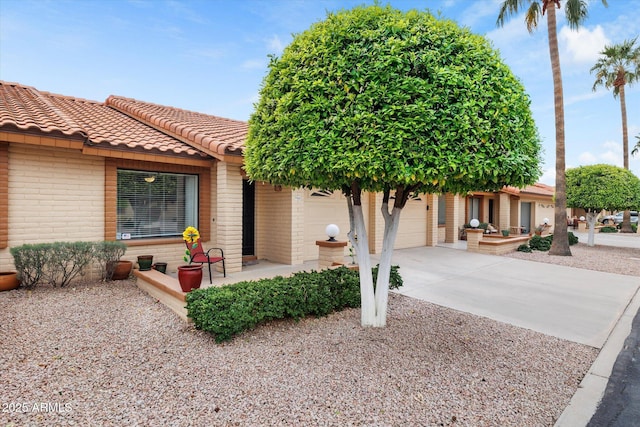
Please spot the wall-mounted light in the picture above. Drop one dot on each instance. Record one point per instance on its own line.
(546, 221)
(150, 178)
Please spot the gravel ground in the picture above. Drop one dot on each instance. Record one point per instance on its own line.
(108, 354)
(609, 259)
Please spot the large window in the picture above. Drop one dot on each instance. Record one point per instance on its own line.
(152, 204)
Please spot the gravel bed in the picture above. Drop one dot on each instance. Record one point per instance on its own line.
(610, 259)
(109, 355)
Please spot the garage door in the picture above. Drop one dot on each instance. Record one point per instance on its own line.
(412, 231)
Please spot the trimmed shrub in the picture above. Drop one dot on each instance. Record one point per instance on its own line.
(524, 248)
(106, 254)
(58, 263)
(573, 239)
(30, 260)
(539, 243)
(230, 310)
(609, 229)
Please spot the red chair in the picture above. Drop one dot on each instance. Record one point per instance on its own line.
(198, 255)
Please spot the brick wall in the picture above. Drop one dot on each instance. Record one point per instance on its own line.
(55, 194)
(229, 214)
(274, 226)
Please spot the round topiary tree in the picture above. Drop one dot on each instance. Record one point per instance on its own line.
(601, 187)
(374, 99)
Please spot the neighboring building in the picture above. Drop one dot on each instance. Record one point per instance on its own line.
(73, 169)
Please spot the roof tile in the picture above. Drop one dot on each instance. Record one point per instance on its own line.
(213, 134)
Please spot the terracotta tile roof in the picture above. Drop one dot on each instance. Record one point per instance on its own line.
(121, 123)
(211, 134)
(111, 129)
(539, 189)
(28, 109)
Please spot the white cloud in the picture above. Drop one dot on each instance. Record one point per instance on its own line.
(548, 177)
(275, 45)
(610, 152)
(612, 158)
(479, 11)
(613, 146)
(587, 158)
(582, 46)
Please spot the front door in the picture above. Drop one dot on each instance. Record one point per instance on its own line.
(248, 218)
(525, 216)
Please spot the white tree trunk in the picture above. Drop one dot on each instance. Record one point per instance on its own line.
(391, 223)
(360, 243)
(373, 303)
(591, 223)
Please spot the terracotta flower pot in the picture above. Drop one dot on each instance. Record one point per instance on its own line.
(8, 280)
(190, 277)
(121, 271)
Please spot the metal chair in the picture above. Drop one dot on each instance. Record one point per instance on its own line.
(198, 255)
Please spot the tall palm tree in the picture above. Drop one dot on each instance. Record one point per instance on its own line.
(636, 149)
(576, 12)
(618, 66)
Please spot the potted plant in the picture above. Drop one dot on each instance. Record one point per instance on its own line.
(190, 276)
(8, 280)
(108, 254)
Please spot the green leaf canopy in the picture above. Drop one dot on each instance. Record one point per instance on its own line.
(387, 99)
(598, 187)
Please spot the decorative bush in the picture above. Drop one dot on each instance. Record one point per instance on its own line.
(106, 254)
(524, 248)
(59, 263)
(230, 310)
(573, 239)
(539, 243)
(609, 229)
(30, 263)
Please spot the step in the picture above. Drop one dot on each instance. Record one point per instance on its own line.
(164, 288)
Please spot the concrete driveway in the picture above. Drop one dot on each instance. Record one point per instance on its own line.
(570, 303)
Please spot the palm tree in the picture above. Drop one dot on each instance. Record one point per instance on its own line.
(618, 66)
(636, 149)
(576, 11)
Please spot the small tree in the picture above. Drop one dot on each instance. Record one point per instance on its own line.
(377, 100)
(601, 187)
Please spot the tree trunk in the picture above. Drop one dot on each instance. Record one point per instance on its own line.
(391, 223)
(373, 303)
(560, 245)
(360, 243)
(591, 222)
(626, 217)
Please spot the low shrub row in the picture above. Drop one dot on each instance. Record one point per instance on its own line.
(58, 263)
(543, 244)
(230, 310)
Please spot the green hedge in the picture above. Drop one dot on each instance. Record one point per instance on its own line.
(230, 310)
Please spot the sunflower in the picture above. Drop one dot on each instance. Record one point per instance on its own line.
(190, 235)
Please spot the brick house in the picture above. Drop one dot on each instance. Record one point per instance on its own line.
(73, 169)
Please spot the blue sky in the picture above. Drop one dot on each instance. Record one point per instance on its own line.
(211, 56)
